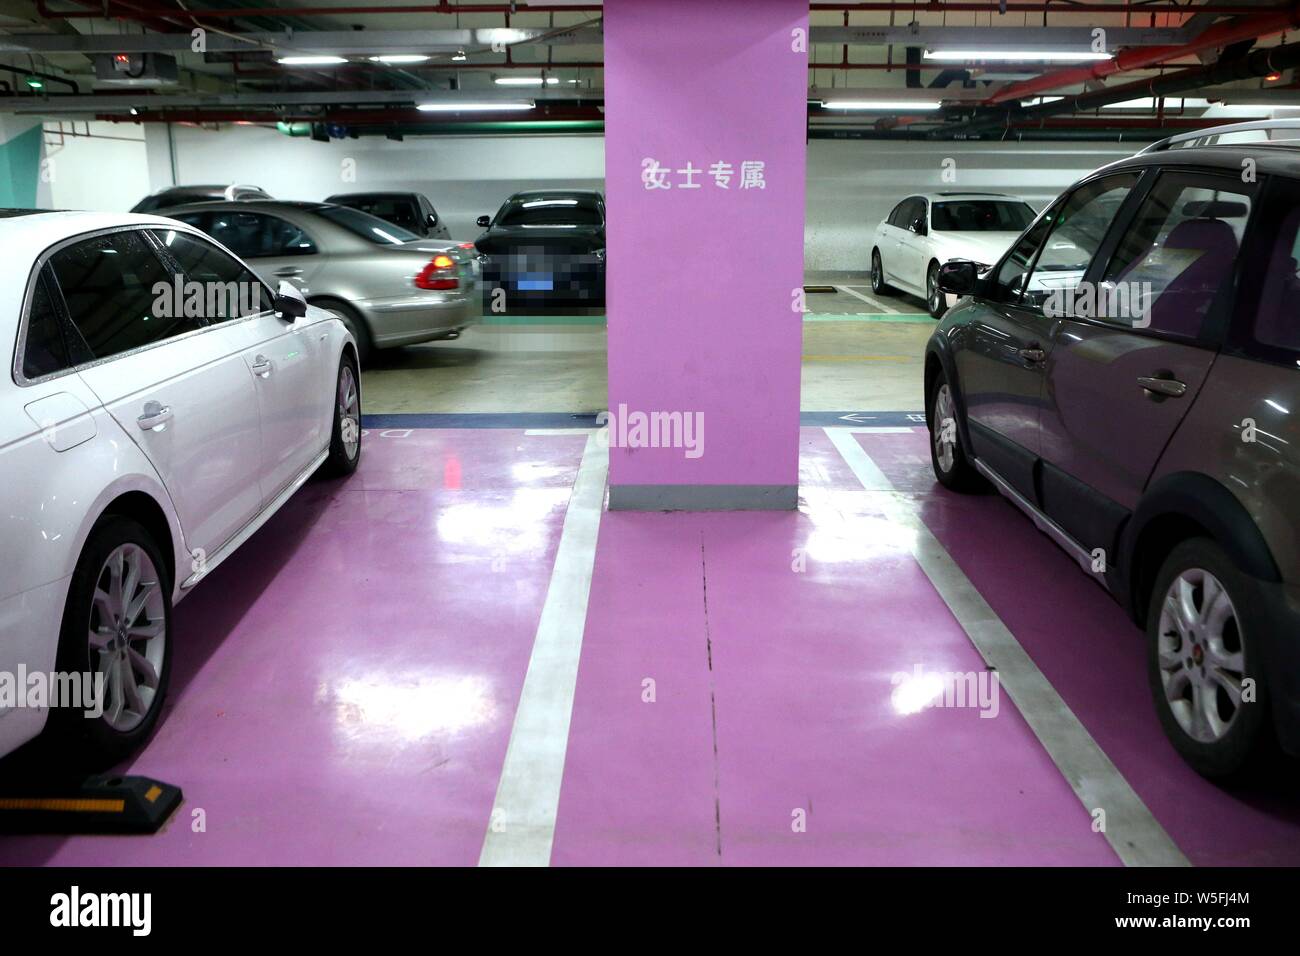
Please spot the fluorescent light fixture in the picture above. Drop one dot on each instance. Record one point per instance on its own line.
(1018, 56)
(313, 60)
(525, 81)
(1149, 102)
(460, 56)
(476, 106)
(395, 58)
(893, 106)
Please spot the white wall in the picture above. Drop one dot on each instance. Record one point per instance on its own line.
(465, 177)
(852, 184)
(104, 172)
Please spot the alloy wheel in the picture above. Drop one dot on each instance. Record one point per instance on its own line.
(943, 429)
(1201, 658)
(933, 294)
(128, 635)
(349, 412)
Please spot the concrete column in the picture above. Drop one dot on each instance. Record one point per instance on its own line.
(21, 150)
(705, 115)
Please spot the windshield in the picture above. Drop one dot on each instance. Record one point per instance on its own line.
(980, 215)
(366, 226)
(555, 211)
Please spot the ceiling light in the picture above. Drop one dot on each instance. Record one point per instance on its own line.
(1149, 102)
(1018, 56)
(450, 106)
(893, 106)
(310, 60)
(395, 58)
(525, 81)
(460, 56)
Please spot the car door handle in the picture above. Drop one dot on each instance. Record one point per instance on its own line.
(262, 366)
(287, 272)
(155, 416)
(1033, 354)
(1163, 386)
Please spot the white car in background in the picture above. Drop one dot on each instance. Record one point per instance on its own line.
(925, 231)
(140, 444)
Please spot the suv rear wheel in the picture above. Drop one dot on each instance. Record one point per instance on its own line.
(1203, 660)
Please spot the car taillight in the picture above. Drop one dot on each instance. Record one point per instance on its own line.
(440, 273)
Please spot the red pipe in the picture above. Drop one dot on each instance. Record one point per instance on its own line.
(1138, 58)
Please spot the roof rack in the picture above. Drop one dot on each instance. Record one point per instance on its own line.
(1211, 136)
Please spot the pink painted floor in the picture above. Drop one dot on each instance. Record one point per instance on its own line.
(344, 687)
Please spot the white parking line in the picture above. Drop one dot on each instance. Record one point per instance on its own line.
(873, 302)
(1132, 831)
(522, 826)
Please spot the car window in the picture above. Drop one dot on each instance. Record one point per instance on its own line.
(395, 209)
(45, 351)
(111, 285)
(980, 215)
(225, 288)
(914, 209)
(550, 211)
(1013, 273)
(1076, 229)
(1179, 253)
(370, 228)
(1273, 330)
(254, 235)
(896, 214)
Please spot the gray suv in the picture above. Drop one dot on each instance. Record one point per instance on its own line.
(1128, 374)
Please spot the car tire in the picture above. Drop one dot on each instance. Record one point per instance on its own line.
(1190, 630)
(948, 458)
(878, 284)
(356, 325)
(120, 567)
(936, 302)
(345, 434)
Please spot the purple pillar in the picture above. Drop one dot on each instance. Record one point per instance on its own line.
(705, 112)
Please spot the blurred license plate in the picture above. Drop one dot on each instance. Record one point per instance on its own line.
(536, 285)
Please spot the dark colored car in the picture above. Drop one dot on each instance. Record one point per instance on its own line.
(412, 211)
(545, 247)
(1127, 375)
(180, 195)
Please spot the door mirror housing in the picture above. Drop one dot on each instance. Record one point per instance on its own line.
(918, 226)
(289, 303)
(432, 220)
(958, 277)
(483, 222)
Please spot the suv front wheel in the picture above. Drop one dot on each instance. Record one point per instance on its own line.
(1203, 660)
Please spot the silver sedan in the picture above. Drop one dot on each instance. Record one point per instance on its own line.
(388, 285)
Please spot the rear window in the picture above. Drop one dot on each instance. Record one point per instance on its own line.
(368, 227)
(395, 209)
(980, 215)
(550, 211)
(45, 351)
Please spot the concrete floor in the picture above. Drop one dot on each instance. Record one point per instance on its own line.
(859, 354)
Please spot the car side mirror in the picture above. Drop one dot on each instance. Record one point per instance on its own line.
(484, 222)
(958, 277)
(433, 219)
(918, 225)
(289, 303)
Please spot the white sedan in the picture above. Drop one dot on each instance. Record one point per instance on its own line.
(162, 404)
(923, 232)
